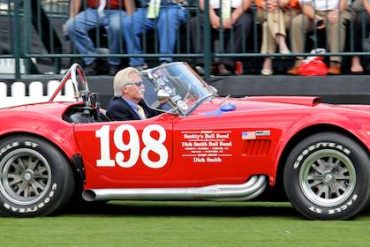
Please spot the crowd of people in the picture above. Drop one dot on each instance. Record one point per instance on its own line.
(284, 25)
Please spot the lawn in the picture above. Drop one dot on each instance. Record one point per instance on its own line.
(184, 224)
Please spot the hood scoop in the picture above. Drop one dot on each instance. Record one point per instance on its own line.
(297, 100)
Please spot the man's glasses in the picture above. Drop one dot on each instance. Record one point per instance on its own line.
(136, 83)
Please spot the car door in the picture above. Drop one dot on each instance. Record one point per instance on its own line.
(224, 148)
(118, 154)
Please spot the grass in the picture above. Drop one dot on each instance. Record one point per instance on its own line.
(184, 224)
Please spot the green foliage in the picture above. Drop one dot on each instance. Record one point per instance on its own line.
(183, 224)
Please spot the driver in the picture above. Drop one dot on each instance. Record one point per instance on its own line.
(127, 102)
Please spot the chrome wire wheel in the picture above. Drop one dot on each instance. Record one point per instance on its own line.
(327, 178)
(25, 176)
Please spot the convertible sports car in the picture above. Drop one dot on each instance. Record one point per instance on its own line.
(203, 147)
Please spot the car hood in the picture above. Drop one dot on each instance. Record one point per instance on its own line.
(257, 103)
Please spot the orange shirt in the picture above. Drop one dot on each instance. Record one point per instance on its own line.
(293, 4)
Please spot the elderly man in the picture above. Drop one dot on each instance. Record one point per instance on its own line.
(128, 103)
(320, 14)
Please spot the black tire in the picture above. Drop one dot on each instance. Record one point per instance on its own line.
(327, 177)
(35, 178)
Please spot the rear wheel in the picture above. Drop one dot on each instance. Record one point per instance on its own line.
(35, 177)
(327, 177)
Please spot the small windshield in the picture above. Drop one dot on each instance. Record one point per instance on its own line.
(185, 88)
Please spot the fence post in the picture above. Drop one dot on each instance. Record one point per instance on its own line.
(207, 41)
(16, 39)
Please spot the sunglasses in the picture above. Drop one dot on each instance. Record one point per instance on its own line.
(137, 83)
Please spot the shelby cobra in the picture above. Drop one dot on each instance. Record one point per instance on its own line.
(203, 147)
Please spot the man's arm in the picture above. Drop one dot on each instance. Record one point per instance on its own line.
(213, 17)
(333, 15)
(308, 11)
(129, 6)
(240, 10)
(367, 6)
(74, 7)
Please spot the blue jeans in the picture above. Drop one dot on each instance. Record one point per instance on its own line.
(88, 19)
(167, 23)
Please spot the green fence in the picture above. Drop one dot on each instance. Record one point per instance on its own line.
(32, 37)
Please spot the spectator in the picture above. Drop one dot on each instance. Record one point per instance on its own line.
(105, 13)
(234, 18)
(276, 16)
(162, 15)
(320, 14)
(127, 102)
(361, 28)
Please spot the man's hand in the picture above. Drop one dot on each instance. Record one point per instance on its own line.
(226, 24)
(214, 20)
(272, 5)
(235, 15)
(333, 16)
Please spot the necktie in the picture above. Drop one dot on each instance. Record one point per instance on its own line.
(226, 9)
(101, 8)
(141, 112)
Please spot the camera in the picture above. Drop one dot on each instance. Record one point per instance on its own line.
(319, 23)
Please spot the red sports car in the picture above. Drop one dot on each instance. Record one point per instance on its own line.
(203, 147)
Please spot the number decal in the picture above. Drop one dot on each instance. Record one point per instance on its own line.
(133, 146)
(155, 146)
(103, 134)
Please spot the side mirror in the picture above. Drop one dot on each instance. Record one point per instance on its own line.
(162, 95)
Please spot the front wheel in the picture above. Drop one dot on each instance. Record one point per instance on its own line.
(327, 177)
(35, 177)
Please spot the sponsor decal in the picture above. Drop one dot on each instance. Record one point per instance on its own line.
(248, 135)
(206, 146)
(252, 135)
(182, 105)
(263, 133)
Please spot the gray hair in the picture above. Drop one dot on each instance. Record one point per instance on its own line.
(121, 79)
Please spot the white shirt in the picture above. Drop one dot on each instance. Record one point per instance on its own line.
(215, 4)
(321, 5)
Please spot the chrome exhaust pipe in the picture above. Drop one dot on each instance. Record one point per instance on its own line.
(240, 192)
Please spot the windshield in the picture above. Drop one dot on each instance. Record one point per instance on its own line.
(185, 88)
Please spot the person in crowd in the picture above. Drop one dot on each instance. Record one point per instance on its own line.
(234, 18)
(361, 11)
(276, 16)
(128, 100)
(320, 14)
(106, 13)
(162, 15)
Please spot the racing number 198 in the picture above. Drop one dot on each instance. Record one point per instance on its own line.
(150, 144)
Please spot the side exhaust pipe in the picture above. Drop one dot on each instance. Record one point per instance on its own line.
(221, 192)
